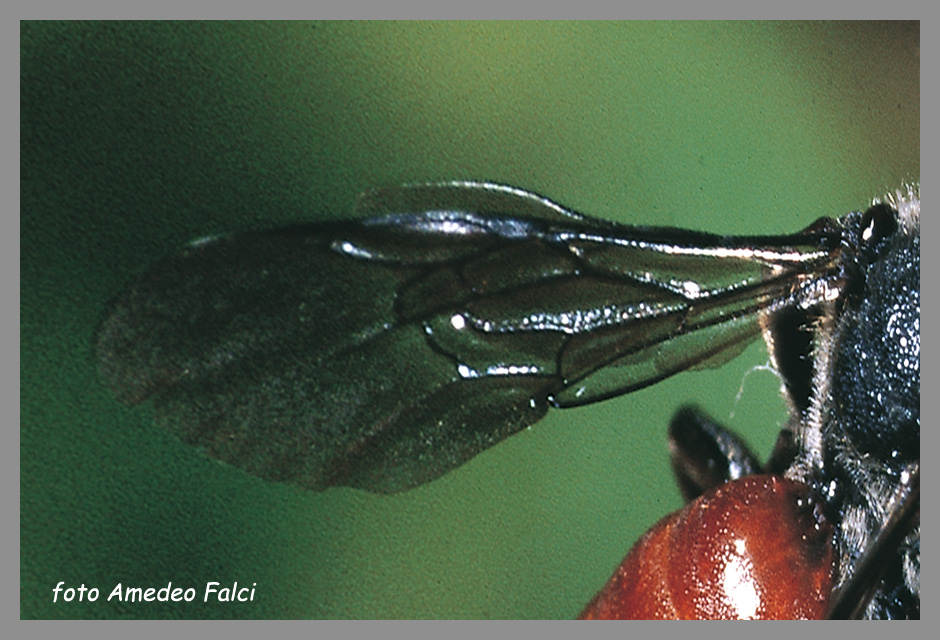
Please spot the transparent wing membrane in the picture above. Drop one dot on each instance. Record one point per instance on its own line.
(383, 352)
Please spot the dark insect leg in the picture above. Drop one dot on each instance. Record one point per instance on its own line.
(850, 601)
(705, 454)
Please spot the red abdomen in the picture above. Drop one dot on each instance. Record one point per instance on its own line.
(748, 549)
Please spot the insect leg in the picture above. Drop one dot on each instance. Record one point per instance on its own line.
(705, 454)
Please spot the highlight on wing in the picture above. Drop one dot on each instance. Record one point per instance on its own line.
(384, 351)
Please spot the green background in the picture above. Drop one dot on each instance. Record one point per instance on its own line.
(137, 137)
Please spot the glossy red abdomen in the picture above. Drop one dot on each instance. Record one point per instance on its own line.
(748, 549)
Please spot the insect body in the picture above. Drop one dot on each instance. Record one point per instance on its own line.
(383, 352)
(750, 549)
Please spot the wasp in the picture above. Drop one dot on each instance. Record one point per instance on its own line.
(384, 351)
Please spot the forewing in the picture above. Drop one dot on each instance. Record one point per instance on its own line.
(382, 353)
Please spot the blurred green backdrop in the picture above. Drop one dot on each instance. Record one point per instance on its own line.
(137, 137)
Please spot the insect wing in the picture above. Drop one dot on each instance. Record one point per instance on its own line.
(384, 352)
